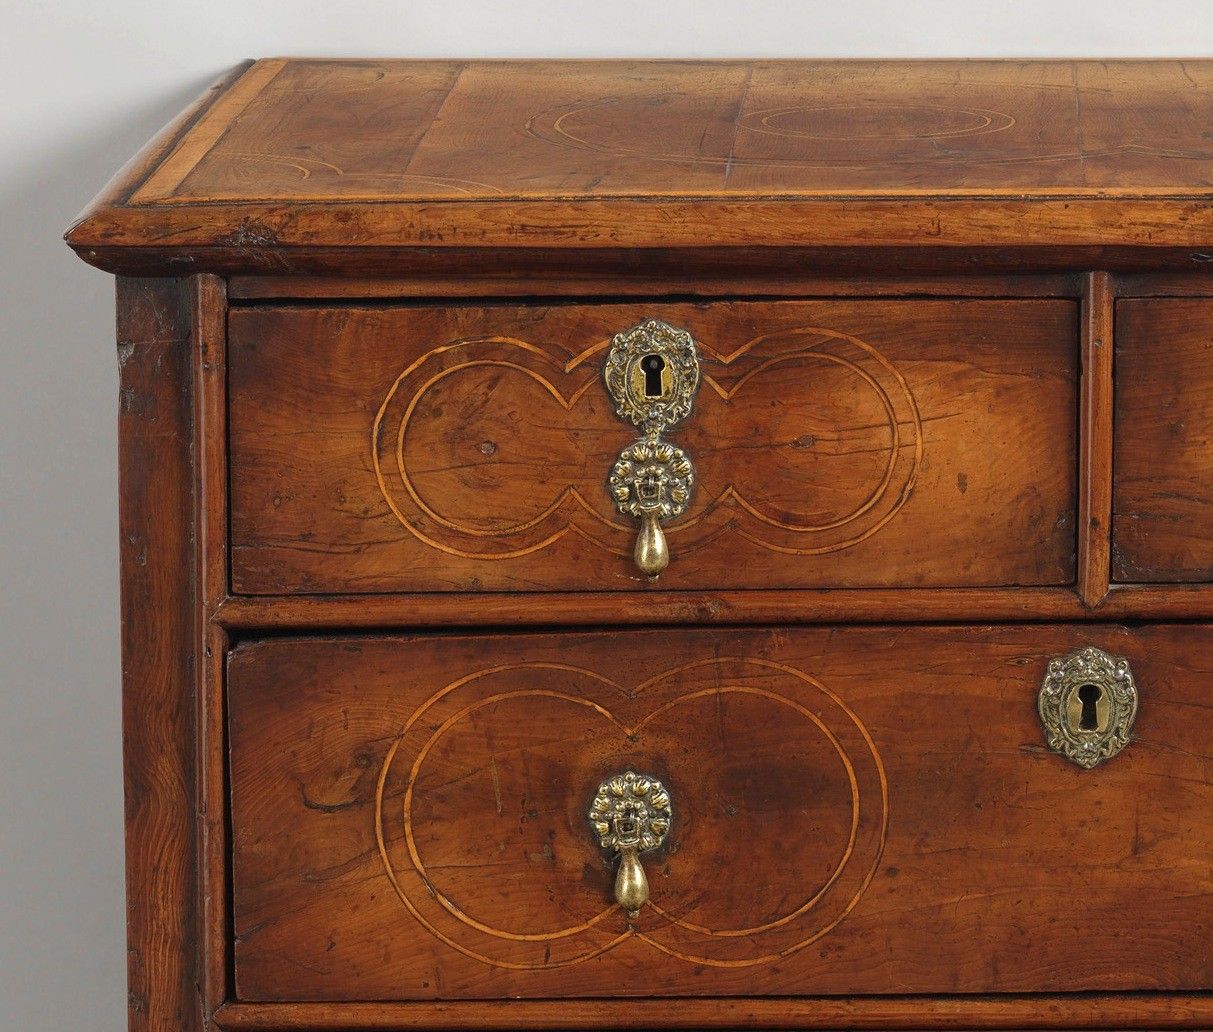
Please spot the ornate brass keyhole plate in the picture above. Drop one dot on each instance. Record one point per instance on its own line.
(1087, 704)
(652, 373)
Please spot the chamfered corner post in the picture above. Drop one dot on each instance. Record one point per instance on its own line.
(159, 646)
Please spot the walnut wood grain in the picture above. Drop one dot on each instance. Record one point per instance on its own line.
(1154, 284)
(592, 608)
(688, 273)
(682, 128)
(719, 273)
(359, 763)
(1095, 440)
(488, 271)
(301, 157)
(868, 235)
(1163, 500)
(971, 224)
(839, 444)
(588, 608)
(1057, 1011)
(208, 355)
(159, 646)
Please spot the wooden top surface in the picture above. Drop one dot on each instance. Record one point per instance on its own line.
(326, 153)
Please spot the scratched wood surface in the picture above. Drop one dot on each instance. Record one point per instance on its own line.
(159, 649)
(298, 154)
(838, 444)
(869, 831)
(313, 130)
(856, 811)
(1163, 518)
(1069, 1011)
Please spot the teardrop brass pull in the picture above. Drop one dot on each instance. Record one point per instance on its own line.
(631, 814)
(652, 373)
(652, 481)
(631, 884)
(652, 552)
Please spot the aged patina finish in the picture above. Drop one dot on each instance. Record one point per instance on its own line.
(429, 368)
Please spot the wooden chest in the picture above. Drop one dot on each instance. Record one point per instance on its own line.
(669, 545)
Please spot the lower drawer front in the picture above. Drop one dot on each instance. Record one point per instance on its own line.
(867, 811)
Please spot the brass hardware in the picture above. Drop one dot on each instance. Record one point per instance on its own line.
(652, 373)
(630, 815)
(652, 481)
(1087, 704)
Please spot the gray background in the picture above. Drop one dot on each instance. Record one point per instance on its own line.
(84, 84)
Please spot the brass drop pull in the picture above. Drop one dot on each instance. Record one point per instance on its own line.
(652, 481)
(652, 373)
(1087, 705)
(631, 814)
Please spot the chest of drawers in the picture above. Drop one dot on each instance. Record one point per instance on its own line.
(669, 544)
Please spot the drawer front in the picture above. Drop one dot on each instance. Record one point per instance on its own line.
(850, 811)
(834, 444)
(1163, 499)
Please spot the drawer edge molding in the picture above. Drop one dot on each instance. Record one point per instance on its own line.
(579, 609)
(1051, 1011)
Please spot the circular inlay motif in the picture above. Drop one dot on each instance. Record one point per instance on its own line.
(870, 122)
(796, 136)
(431, 805)
(844, 447)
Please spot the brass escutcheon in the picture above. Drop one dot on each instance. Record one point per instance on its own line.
(652, 373)
(630, 815)
(1087, 704)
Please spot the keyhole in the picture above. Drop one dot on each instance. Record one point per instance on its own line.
(652, 366)
(1089, 695)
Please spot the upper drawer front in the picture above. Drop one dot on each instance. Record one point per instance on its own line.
(861, 810)
(835, 444)
(1163, 499)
